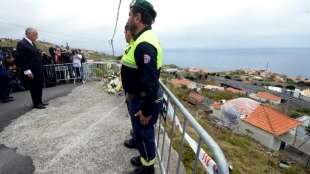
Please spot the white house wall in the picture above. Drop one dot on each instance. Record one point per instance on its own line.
(263, 137)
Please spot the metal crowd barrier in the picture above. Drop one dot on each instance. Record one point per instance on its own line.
(100, 70)
(88, 71)
(62, 72)
(176, 116)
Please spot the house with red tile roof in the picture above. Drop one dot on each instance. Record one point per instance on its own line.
(195, 98)
(184, 83)
(197, 70)
(267, 126)
(268, 97)
(235, 91)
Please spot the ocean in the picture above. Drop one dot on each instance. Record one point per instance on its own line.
(288, 61)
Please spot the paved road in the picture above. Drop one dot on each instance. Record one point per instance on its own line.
(22, 103)
(82, 132)
(10, 161)
(254, 89)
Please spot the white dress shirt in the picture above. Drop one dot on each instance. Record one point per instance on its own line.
(28, 71)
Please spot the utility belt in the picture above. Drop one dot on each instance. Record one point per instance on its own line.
(142, 95)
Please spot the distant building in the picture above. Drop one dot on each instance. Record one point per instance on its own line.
(184, 83)
(306, 92)
(300, 131)
(267, 97)
(235, 91)
(235, 109)
(250, 71)
(267, 126)
(171, 70)
(274, 88)
(299, 138)
(195, 98)
(279, 78)
(197, 70)
(258, 77)
(213, 88)
(297, 93)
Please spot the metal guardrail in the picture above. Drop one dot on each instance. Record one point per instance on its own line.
(219, 167)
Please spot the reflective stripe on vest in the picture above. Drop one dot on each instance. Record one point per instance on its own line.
(148, 36)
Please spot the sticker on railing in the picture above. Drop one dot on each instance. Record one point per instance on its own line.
(207, 162)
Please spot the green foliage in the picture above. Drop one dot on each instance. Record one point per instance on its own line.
(305, 111)
(299, 112)
(292, 170)
(220, 95)
(44, 47)
(294, 114)
(291, 87)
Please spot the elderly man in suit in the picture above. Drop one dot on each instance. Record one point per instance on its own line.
(30, 60)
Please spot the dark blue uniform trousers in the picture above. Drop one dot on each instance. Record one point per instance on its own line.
(144, 135)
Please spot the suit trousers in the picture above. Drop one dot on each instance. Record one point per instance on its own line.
(36, 88)
(4, 87)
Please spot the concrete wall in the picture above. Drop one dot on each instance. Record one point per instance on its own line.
(263, 137)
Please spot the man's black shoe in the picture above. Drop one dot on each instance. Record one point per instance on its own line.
(44, 104)
(131, 144)
(135, 161)
(6, 100)
(39, 106)
(143, 170)
(131, 132)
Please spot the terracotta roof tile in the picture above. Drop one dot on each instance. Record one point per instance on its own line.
(184, 82)
(198, 98)
(268, 96)
(271, 120)
(236, 91)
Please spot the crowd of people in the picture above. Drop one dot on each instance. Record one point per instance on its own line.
(10, 81)
(12, 78)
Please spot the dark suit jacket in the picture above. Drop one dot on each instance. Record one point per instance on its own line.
(29, 57)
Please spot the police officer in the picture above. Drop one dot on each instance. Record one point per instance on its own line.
(140, 72)
(130, 143)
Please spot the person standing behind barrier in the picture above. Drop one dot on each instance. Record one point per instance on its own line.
(140, 77)
(4, 80)
(58, 58)
(77, 58)
(31, 64)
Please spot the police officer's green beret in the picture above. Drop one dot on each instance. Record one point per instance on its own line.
(146, 7)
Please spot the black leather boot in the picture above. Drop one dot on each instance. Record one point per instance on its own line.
(136, 161)
(131, 144)
(144, 170)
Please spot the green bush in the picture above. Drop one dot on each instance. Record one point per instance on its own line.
(292, 170)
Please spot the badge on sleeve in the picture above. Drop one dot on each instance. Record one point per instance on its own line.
(146, 58)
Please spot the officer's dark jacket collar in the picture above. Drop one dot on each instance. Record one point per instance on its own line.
(139, 34)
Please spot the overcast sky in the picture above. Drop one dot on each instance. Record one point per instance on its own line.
(180, 23)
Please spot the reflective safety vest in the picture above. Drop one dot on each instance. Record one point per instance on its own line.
(148, 36)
